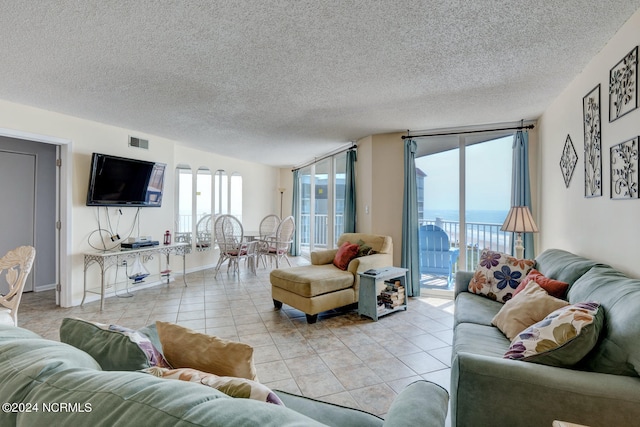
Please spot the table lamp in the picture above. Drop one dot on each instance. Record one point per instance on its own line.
(519, 220)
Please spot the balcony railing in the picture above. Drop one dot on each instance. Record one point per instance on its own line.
(320, 225)
(479, 236)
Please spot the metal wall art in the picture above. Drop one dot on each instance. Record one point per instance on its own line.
(623, 86)
(568, 160)
(592, 144)
(624, 170)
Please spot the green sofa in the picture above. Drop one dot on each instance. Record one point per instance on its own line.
(45, 383)
(602, 390)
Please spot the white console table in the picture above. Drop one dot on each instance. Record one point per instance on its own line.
(107, 259)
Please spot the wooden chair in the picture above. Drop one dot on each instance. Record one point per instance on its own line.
(15, 267)
(437, 257)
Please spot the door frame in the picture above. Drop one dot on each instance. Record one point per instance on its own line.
(63, 215)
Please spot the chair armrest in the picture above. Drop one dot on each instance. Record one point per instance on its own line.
(323, 257)
(422, 403)
(595, 399)
(462, 282)
(364, 263)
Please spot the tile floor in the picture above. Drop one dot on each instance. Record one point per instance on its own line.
(343, 358)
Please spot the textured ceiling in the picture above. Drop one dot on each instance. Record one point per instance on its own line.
(279, 82)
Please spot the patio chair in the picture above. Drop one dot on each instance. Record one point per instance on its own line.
(437, 257)
(15, 267)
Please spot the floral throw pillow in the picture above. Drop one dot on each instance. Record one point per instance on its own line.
(498, 275)
(562, 338)
(231, 386)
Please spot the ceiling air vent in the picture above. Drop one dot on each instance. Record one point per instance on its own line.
(138, 142)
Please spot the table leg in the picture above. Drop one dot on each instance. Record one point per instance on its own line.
(184, 268)
(101, 287)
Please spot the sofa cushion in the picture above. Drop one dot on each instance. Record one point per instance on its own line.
(562, 339)
(562, 265)
(526, 308)
(555, 288)
(186, 348)
(472, 308)
(114, 347)
(26, 360)
(498, 275)
(619, 349)
(231, 386)
(479, 339)
(138, 399)
(327, 413)
(311, 280)
(346, 252)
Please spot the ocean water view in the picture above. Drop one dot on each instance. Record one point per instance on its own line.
(472, 216)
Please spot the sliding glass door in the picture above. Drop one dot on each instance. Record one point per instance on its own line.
(322, 203)
(464, 191)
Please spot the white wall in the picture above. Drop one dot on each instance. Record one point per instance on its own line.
(599, 228)
(86, 137)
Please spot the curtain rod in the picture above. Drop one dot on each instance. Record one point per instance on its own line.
(469, 131)
(352, 147)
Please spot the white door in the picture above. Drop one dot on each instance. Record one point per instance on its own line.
(18, 205)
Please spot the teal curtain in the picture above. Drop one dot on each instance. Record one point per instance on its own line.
(521, 185)
(350, 193)
(295, 209)
(410, 256)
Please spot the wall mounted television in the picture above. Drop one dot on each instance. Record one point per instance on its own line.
(118, 181)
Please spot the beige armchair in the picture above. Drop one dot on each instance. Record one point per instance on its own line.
(322, 286)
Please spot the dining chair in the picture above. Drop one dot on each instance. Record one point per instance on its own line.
(278, 246)
(268, 227)
(229, 237)
(15, 267)
(203, 232)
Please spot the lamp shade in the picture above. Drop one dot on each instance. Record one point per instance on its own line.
(519, 220)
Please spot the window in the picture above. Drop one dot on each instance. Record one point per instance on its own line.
(204, 225)
(184, 206)
(235, 193)
(221, 201)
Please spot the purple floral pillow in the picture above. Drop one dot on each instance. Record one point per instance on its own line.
(562, 338)
(498, 275)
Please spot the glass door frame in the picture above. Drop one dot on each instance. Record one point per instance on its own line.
(461, 142)
(310, 173)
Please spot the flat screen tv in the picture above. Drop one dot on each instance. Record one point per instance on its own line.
(118, 181)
